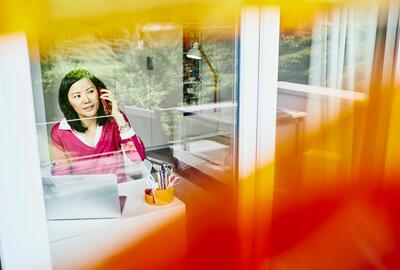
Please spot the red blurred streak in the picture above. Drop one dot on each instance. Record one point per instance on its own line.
(367, 217)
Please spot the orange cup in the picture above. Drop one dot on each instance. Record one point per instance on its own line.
(162, 196)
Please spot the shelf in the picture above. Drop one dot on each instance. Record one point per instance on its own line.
(190, 82)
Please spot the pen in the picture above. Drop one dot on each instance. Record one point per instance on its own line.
(158, 178)
(166, 175)
(162, 177)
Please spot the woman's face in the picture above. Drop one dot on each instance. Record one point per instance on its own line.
(84, 98)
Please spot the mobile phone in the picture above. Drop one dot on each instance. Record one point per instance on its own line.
(105, 103)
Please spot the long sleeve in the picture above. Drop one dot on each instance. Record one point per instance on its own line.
(132, 145)
(60, 158)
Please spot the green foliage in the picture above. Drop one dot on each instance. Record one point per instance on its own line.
(294, 56)
(121, 71)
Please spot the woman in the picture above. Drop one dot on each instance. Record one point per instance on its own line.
(87, 141)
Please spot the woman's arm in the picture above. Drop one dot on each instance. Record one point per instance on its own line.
(130, 142)
(62, 165)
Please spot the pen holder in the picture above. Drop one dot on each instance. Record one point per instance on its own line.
(162, 196)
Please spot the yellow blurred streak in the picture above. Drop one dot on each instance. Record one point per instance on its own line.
(20, 15)
(49, 18)
(393, 146)
(263, 208)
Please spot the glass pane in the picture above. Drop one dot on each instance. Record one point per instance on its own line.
(333, 50)
(324, 72)
(108, 98)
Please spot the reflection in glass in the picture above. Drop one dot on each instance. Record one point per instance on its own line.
(325, 72)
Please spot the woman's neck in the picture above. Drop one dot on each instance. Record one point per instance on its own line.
(89, 123)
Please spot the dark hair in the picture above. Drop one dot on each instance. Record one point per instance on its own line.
(68, 111)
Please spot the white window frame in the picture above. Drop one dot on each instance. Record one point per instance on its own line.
(23, 227)
(258, 76)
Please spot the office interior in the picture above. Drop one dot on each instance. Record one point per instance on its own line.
(268, 117)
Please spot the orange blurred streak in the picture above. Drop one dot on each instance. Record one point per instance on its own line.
(393, 145)
(155, 251)
(341, 213)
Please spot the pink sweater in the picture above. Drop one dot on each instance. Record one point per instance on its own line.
(73, 156)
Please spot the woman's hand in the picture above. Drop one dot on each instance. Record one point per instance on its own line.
(115, 112)
(108, 95)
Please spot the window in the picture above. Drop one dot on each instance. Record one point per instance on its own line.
(142, 66)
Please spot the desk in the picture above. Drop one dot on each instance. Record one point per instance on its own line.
(208, 136)
(290, 117)
(225, 114)
(79, 244)
(220, 121)
(208, 120)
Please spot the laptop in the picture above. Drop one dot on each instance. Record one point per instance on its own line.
(81, 196)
